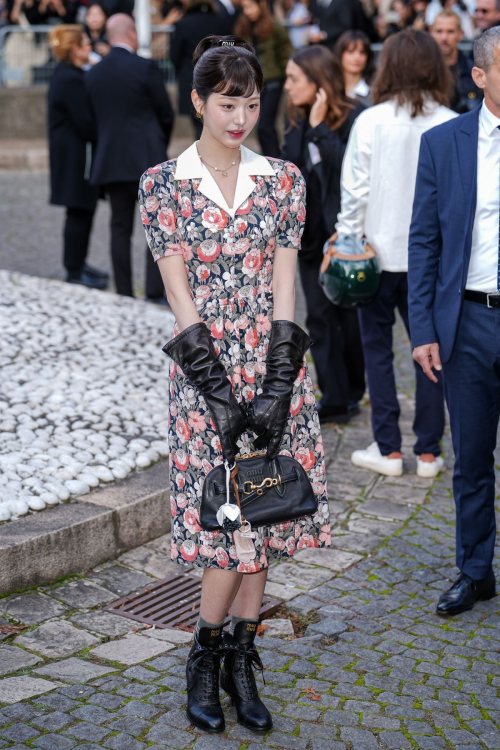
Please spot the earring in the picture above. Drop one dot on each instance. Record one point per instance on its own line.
(199, 115)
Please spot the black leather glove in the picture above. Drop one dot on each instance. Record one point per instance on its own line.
(268, 412)
(194, 352)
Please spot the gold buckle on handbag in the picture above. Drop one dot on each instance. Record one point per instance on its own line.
(266, 483)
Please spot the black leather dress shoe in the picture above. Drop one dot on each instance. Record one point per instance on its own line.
(85, 279)
(464, 593)
(96, 272)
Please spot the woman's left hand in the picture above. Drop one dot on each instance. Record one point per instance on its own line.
(319, 109)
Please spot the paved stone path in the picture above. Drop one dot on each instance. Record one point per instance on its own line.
(376, 667)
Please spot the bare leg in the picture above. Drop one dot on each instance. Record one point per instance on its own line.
(218, 590)
(248, 599)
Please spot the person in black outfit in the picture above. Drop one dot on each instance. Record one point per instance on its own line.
(273, 46)
(336, 16)
(134, 120)
(95, 27)
(321, 118)
(201, 19)
(447, 31)
(42, 12)
(71, 132)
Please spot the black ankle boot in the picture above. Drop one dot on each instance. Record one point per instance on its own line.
(238, 680)
(202, 674)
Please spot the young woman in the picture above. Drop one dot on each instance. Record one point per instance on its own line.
(321, 118)
(224, 225)
(272, 43)
(355, 54)
(71, 132)
(95, 26)
(411, 91)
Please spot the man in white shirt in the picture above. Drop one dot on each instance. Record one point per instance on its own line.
(454, 296)
(378, 182)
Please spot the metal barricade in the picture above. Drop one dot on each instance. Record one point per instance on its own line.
(25, 56)
(27, 60)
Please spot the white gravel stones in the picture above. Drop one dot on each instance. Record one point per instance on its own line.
(83, 390)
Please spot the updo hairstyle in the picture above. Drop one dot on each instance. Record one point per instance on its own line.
(64, 38)
(226, 65)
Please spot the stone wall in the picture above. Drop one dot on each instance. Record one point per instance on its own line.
(23, 113)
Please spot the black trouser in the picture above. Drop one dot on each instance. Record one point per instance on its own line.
(123, 197)
(77, 230)
(377, 321)
(269, 102)
(336, 348)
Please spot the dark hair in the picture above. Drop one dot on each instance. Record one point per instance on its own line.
(350, 39)
(97, 2)
(412, 70)
(322, 68)
(261, 29)
(226, 65)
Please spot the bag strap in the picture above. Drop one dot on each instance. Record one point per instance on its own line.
(233, 475)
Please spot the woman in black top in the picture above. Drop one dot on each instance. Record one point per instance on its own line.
(321, 117)
(201, 19)
(71, 132)
(95, 27)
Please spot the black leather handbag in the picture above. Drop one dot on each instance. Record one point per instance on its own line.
(270, 492)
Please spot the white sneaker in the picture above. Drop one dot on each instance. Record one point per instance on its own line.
(372, 459)
(429, 469)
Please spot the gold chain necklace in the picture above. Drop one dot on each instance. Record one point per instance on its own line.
(217, 169)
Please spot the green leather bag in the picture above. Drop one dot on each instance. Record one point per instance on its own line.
(350, 274)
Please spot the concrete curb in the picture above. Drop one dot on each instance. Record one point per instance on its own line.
(75, 537)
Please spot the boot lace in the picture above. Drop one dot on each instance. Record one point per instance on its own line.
(207, 665)
(245, 660)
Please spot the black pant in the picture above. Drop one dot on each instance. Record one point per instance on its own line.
(377, 320)
(336, 348)
(269, 103)
(77, 230)
(123, 197)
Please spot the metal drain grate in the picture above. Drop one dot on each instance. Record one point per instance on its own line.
(173, 602)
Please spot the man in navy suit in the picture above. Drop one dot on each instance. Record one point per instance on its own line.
(454, 301)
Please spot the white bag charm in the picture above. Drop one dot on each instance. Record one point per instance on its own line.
(243, 542)
(229, 511)
(229, 515)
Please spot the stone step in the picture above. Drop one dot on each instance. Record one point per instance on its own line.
(75, 537)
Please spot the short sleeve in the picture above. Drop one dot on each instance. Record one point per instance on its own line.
(291, 205)
(159, 211)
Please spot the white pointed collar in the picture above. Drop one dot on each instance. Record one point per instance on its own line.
(190, 167)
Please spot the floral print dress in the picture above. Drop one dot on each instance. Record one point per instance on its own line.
(228, 254)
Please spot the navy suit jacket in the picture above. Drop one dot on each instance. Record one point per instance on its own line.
(441, 231)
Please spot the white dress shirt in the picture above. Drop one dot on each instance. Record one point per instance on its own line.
(483, 267)
(378, 178)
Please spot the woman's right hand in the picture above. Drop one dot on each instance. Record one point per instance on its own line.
(319, 109)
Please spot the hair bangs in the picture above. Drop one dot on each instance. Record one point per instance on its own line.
(240, 81)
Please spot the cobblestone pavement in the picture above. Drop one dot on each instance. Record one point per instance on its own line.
(376, 667)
